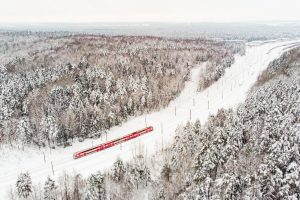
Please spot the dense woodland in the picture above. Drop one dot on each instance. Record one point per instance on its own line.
(216, 69)
(57, 87)
(248, 153)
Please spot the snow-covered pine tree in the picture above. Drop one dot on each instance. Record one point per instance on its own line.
(160, 195)
(24, 185)
(50, 190)
(49, 130)
(291, 181)
(166, 172)
(140, 173)
(197, 127)
(24, 131)
(96, 187)
(118, 171)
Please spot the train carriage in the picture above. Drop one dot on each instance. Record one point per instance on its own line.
(112, 143)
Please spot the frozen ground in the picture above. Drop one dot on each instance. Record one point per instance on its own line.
(228, 92)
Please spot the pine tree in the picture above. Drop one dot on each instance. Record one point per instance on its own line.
(50, 190)
(24, 131)
(96, 187)
(232, 186)
(49, 129)
(291, 181)
(161, 195)
(166, 172)
(118, 171)
(197, 127)
(140, 173)
(24, 185)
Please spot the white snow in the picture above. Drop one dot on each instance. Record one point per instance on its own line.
(228, 92)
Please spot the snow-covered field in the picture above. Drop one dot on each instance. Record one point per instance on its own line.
(230, 90)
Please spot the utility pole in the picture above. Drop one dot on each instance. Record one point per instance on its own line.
(162, 138)
(222, 87)
(208, 103)
(140, 149)
(52, 167)
(49, 146)
(146, 151)
(44, 157)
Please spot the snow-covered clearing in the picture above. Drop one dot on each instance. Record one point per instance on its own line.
(230, 90)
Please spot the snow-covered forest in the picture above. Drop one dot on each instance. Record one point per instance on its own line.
(248, 153)
(57, 87)
(150, 100)
(216, 69)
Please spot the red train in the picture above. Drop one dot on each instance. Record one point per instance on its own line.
(112, 143)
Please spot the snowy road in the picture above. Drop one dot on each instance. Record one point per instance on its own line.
(230, 90)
